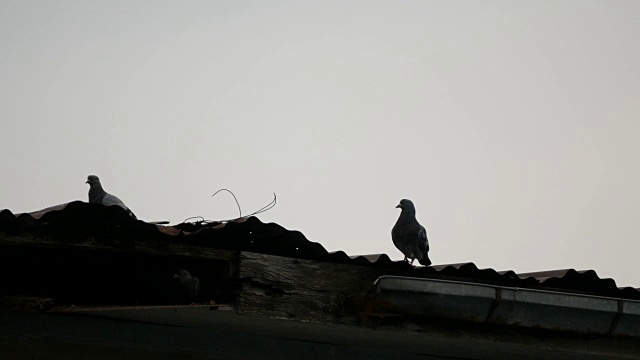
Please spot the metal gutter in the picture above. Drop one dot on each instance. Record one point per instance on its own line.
(507, 305)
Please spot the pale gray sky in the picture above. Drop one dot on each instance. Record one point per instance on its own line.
(512, 125)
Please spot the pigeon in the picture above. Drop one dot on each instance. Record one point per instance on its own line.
(98, 195)
(409, 236)
(183, 288)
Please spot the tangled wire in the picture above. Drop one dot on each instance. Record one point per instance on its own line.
(202, 220)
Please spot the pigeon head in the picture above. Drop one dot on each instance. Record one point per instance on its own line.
(406, 204)
(182, 275)
(92, 180)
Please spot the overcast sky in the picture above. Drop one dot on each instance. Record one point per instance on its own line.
(512, 125)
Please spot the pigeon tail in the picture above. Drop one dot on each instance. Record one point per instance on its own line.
(425, 261)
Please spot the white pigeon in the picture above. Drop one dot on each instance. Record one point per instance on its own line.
(98, 195)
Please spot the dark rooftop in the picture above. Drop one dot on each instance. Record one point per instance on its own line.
(77, 220)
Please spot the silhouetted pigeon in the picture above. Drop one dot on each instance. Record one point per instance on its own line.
(183, 288)
(98, 195)
(409, 236)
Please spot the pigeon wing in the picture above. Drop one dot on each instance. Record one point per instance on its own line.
(110, 200)
(423, 245)
(423, 242)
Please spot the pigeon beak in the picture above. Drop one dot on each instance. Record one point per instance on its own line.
(86, 182)
(398, 206)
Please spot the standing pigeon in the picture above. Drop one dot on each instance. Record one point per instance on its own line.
(409, 236)
(183, 288)
(98, 195)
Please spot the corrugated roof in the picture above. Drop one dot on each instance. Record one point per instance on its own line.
(80, 219)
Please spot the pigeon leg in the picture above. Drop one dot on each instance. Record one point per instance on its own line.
(412, 260)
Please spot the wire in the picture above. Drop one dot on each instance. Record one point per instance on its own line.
(234, 197)
(267, 207)
(203, 221)
(195, 217)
